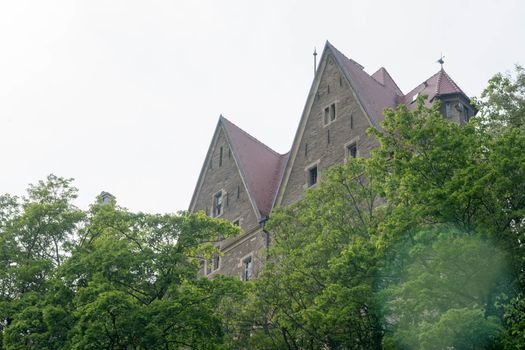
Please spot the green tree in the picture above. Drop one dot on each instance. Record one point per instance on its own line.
(107, 278)
(317, 289)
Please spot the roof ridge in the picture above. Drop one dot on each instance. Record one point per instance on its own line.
(438, 85)
(393, 81)
(453, 82)
(250, 136)
(424, 81)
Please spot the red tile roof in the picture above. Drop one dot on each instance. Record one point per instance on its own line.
(373, 95)
(260, 166)
(437, 85)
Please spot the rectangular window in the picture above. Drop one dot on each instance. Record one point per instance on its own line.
(217, 204)
(329, 114)
(465, 114)
(247, 269)
(306, 150)
(448, 110)
(216, 261)
(312, 176)
(220, 156)
(351, 150)
(328, 136)
(238, 191)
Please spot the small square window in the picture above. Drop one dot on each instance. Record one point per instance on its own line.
(312, 176)
(351, 150)
(218, 204)
(247, 269)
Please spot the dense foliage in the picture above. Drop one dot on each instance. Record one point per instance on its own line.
(419, 246)
(105, 278)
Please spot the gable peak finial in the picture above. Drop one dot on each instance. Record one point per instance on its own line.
(315, 60)
(441, 61)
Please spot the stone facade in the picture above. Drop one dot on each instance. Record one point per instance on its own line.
(324, 142)
(250, 178)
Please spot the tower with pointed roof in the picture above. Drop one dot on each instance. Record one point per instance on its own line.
(242, 179)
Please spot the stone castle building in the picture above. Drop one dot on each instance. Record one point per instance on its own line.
(242, 179)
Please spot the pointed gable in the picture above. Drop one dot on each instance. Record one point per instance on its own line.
(373, 96)
(383, 77)
(261, 166)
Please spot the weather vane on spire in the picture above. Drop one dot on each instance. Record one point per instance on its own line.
(441, 60)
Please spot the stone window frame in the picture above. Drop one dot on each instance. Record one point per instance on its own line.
(327, 122)
(355, 141)
(242, 264)
(223, 203)
(216, 258)
(237, 219)
(307, 172)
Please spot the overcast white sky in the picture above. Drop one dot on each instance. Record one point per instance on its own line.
(124, 96)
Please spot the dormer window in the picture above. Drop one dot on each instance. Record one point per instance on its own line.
(218, 199)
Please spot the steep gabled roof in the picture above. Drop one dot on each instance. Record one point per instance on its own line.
(383, 77)
(260, 166)
(373, 95)
(437, 85)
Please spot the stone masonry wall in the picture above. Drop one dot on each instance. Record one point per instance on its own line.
(237, 206)
(316, 146)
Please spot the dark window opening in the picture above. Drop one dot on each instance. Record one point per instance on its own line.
(312, 176)
(238, 191)
(306, 150)
(216, 261)
(332, 112)
(326, 115)
(237, 222)
(328, 89)
(229, 153)
(217, 204)
(351, 121)
(328, 136)
(220, 156)
(465, 114)
(351, 150)
(247, 269)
